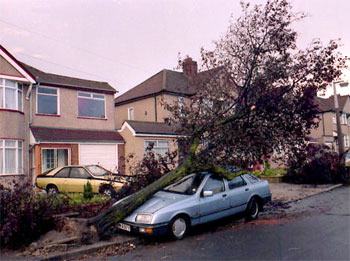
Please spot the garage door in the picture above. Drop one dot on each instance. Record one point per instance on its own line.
(104, 155)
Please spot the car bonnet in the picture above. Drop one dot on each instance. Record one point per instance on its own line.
(158, 201)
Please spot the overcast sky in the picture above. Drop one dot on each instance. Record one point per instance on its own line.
(124, 42)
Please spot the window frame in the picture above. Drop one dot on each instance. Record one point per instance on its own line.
(55, 156)
(3, 88)
(343, 119)
(131, 109)
(91, 97)
(18, 149)
(47, 94)
(242, 184)
(156, 143)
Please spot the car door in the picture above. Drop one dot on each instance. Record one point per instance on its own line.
(60, 179)
(214, 206)
(238, 193)
(78, 177)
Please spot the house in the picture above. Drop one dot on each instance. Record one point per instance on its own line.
(326, 132)
(49, 120)
(140, 113)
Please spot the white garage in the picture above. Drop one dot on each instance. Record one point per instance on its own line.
(105, 155)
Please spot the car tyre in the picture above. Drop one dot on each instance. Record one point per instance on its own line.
(252, 210)
(108, 192)
(52, 190)
(179, 227)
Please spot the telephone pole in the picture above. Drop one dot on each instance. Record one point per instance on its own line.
(339, 131)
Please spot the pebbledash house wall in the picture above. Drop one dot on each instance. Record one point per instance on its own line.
(135, 146)
(68, 112)
(68, 118)
(14, 123)
(146, 109)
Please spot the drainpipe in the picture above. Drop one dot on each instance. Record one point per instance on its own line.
(155, 107)
(29, 97)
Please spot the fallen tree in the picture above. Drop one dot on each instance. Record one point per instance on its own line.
(256, 98)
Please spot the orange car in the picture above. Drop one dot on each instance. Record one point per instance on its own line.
(73, 179)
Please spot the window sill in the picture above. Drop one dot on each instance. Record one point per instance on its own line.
(88, 118)
(51, 115)
(11, 110)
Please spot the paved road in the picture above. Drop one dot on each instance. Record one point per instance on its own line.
(315, 228)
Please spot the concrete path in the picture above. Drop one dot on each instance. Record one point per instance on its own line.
(286, 192)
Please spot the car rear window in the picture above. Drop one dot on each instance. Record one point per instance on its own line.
(251, 178)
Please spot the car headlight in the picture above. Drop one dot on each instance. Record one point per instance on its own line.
(144, 218)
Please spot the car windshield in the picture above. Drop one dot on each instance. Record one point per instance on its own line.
(97, 170)
(187, 185)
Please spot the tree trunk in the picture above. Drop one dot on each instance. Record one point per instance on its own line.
(106, 220)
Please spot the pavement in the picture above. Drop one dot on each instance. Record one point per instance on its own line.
(281, 192)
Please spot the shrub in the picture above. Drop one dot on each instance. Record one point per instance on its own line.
(88, 193)
(315, 164)
(26, 215)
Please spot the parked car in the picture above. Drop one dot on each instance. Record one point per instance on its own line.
(73, 179)
(196, 199)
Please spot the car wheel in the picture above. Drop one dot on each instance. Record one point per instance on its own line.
(179, 227)
(252, 210)
(108, 192)
(52, 190)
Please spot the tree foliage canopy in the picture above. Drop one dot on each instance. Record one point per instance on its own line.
(256, 97)
(260, 99)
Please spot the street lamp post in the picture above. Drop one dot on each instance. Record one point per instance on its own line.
(339, 131)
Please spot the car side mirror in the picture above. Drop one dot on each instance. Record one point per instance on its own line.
(207, 193)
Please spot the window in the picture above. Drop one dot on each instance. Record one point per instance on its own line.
(160, 147)
(91, 105)
(131, 114)
(214, 184)
(343, 119)
(236, 182)
(53, 158)
(252, 179)
(334, 119)
(187, 185)
(63, 173)
(11, 96)
(47, 101)
(181, 102)
(347, 140)
(11, 157)
(79, 173)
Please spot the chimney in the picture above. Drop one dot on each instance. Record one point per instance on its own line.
(189, 67)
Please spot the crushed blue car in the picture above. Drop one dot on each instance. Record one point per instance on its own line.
(196, 199)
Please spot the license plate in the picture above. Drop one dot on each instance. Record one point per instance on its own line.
(124, 227)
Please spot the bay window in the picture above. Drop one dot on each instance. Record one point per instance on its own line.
(91, 105)
(47, 101)
(11, 157)
(11, 95)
